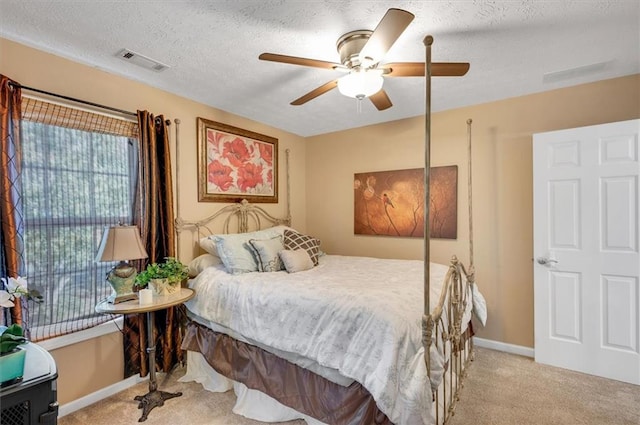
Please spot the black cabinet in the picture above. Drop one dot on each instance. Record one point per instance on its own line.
(34, 400)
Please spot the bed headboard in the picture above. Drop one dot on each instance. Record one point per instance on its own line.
(245, 215)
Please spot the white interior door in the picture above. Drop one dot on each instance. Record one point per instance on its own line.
(586, 265)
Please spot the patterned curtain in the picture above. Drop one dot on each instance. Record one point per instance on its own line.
(11, 219)
(155, 219)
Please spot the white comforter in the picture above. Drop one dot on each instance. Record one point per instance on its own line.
(361, 316)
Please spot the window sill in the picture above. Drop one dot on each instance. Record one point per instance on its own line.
(106, 328)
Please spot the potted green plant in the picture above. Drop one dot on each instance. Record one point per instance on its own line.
(163, 278)
(12, 354)
(12, 338)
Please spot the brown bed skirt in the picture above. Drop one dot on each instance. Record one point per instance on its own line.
(291, 385)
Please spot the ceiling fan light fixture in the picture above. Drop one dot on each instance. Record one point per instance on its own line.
(361, 83)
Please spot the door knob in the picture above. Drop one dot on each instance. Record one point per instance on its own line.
(546, 261)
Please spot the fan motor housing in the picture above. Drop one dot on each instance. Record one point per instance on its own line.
(349, 46)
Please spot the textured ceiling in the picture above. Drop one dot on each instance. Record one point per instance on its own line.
(212, 48)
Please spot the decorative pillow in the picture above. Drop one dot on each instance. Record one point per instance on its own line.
(266, 252)
(296, 261)
(209, 245)
(294, 240)
(202, 262)
(236, 256)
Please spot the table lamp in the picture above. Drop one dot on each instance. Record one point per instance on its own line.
(121, 243)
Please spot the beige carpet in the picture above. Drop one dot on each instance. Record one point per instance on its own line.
(506, 389)
(500, 389)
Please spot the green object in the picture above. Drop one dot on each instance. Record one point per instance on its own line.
(11, 337)
(121, 278)
(172, 270)
(11, 354)
(12, 366)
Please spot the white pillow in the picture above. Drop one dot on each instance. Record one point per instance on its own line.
(201, 262)
(209, 245)
(297, 260)
(266, 252)
(236, 256)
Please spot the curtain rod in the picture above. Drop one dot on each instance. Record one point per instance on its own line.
(73, 99)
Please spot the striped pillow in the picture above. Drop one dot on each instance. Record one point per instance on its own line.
(294, 240)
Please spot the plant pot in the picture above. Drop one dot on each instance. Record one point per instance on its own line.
(12, 366)
(184, 283)
(164, 287)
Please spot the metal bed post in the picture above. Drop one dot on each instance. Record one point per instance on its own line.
(456, 346)
(177, 230)
(472, 269)
(427, 318)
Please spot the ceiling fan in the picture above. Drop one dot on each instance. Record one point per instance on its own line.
(361, 53)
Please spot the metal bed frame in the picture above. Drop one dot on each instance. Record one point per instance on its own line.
(454, 298)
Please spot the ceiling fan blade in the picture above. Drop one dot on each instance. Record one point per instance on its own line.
(392, 25)
(403, 69)
(315, 93)
(294, 60)
(449, 69)
(380, 100)
(416, 69)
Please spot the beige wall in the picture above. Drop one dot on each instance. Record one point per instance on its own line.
(88, 366)
(84, 368)
(502, 186)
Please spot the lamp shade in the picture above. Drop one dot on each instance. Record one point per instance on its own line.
(120, 243)
(361, 83)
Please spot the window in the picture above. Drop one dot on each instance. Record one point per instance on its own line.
(77, 178)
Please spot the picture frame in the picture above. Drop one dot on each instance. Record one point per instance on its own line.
(236, 164)
(391, 203)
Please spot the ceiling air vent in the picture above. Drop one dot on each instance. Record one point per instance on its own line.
(141, 60)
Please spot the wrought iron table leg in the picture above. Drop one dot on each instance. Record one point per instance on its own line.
(154, 397)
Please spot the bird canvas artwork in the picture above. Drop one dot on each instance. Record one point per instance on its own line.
(391, 203)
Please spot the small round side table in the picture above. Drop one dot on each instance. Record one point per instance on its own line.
(154, 397)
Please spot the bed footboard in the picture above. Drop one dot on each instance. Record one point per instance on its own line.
(447, 329)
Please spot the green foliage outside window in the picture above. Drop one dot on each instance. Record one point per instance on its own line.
(74, 183)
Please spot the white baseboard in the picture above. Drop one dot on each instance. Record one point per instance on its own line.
(503, 346)
(103, 393)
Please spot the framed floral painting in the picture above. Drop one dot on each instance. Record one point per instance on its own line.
(236, 164)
